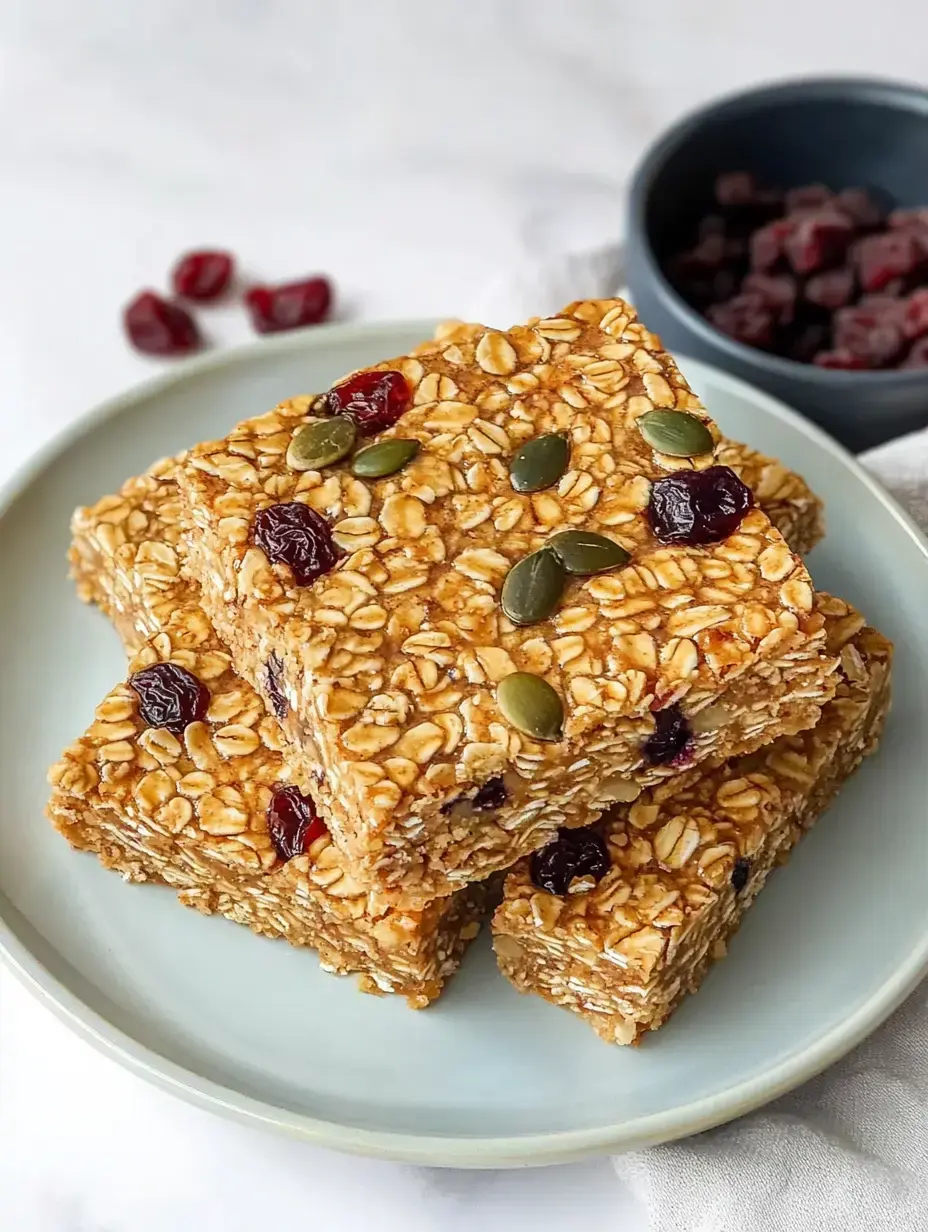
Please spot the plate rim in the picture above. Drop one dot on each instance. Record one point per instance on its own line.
(461, 1151)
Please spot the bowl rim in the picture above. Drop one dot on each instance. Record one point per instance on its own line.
(903, 95)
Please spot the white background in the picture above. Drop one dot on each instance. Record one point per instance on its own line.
(416, 151)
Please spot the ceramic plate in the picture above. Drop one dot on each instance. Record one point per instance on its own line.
(254, 1029)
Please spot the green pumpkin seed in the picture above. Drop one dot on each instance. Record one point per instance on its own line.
(532, 588)
(384, 458)
(540, 462)
(321, 443)
(531, 706)
(584, 553)
(675, 433)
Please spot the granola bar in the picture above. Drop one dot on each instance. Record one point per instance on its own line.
(622, 943)
(391, 657)
(127, 548)
(784, 496)
(191, 810)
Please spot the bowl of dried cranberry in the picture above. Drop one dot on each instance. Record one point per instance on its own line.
(782, 234)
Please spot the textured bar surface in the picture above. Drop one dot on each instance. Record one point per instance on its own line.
(390, 662)
(191, 812)
(127, 548)
(621, 953)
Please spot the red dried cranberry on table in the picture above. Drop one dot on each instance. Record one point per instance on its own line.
(788, 272)
(160, 327)
(289, 306)
(155, 326)
(202, 275)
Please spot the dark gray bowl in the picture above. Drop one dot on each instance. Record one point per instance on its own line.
(841, 132)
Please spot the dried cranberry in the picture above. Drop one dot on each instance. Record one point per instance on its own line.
(882, 258)
(817, 240)
(832, 289)
(885, 306)
(158, 327)
(744, 318)
(815, 257)
(295, 535)
(860, 207)
(915, 314)
(869, 336)
(917, 356)
(273, 683)
(908, 220)
(735, 188)
(709, 254)
(289, 306)
(839, 358)
(374, 400)
(170, 696)
(768, 244)
(777, 292)
(740, 873)
(697, 507)
(292, 822)
(492, 795)
(574, 853)
(807, 197)
(202, 275)
(670, 739)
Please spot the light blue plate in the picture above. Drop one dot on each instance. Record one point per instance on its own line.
(486, 1078)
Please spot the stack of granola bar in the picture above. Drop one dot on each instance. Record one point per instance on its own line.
(509, 604)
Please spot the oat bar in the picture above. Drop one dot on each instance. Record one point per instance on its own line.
(665, 880)
(127, 549)
(212, 811)
(370, 608)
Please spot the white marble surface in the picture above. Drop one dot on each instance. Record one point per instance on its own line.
(415, 150)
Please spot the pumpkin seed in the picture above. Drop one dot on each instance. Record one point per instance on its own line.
(532, 588)
(540, 462)
(531, 706)
(384, 458)
(675, 433)
(583, 552)
(321, 443)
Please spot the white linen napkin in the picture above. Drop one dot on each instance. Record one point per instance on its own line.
(848, 1152)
